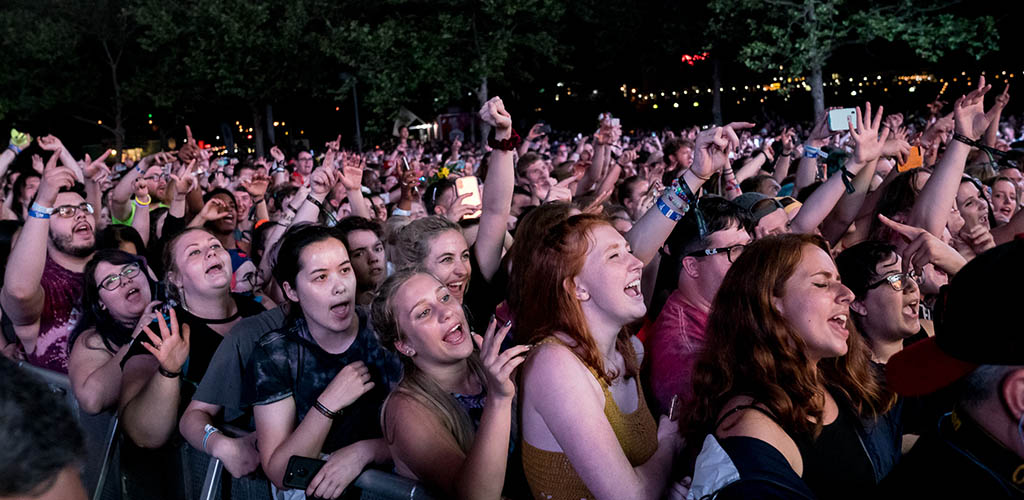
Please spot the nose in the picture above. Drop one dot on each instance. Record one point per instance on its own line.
(845, 295)
(635, 264)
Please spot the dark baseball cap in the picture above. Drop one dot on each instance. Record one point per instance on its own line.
(752, 206)
(975, 324)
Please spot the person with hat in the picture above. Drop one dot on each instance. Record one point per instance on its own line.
(978, 448)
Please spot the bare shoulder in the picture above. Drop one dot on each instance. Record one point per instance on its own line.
(552, 368)
(749, 422)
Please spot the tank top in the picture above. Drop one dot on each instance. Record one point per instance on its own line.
(550, 474)
(62, 310)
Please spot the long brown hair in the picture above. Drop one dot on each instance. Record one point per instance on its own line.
(545, 294)
(753, 351)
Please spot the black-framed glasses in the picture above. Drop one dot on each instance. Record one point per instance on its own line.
(114, 281)
(68, 211)
(731, 252)
(898, 281)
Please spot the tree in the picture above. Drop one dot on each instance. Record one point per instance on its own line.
(802, 35)
(412, 51)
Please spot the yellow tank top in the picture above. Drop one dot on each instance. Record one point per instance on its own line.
(551, 475)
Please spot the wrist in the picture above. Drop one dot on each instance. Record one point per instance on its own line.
(504, 133)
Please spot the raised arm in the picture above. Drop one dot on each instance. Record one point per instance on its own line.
(824, 199)
(710, 155)
(931, 210)
(497, 194)
(22, 295)
(19, 141)
(807, 170)
(53, 144)
(994, 114)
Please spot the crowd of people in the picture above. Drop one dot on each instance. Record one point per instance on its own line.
(751, 310)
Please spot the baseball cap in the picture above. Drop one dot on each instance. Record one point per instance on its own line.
(974, 325)
(752, 206)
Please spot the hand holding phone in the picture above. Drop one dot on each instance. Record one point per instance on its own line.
(469, 185)
(300, 471)
(840, 119)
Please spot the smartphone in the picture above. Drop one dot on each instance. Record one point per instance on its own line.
(300, 471)
(222, 162)
(914, 160)
(840, 119)
(405, 164)
(615, 122)
(470, 185)
(544, 129)
(673, 413)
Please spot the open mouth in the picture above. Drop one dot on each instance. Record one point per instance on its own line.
(910, 310)
(341, 309)
(82, 228)
(132, 294)
(456, 286)
(455, 335)
(218, 267)
(633, 288)
(839, 321)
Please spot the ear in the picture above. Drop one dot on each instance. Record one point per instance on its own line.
(574, 287)
(777, 304)
(689, 266)
(404, 348)
(1012, 391)
(859, 308)
(289, 293)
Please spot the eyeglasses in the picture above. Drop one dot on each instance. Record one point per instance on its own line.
(114, 281)
(731, 252)
(898, 281)
(68, 211)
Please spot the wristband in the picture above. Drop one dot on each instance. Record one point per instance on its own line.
(811, 152)
(325, 412)
(167, 373)
(506, 144)
(137, 169)
(209, 432)
(667, 211)
(141, 204)
(399, 212)
(36, 207)
(38, 215)
(964, 139)
(14, 148)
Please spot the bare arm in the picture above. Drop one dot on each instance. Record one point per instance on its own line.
(149, 402)
(95, 373)
(497, 195)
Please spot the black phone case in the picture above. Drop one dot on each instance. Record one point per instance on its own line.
(300, 471)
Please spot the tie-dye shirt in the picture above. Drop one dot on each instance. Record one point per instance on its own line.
(62, 310)
(289, 363)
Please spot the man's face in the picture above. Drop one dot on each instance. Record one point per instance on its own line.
(368, 258)
(226, 224)
(74, 235)
(245, 175)
(536, 172)
(684, 156)
(712, 268)
(774, 223)
(155, 180)
(305, 163)
(243, 202)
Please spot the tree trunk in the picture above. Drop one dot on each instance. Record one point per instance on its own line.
(481, 95)
(817, 91)
(257, 129)
(271, 132)
(716, 84)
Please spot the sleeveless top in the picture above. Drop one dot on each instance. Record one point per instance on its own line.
(836, 463)
(62, 310)
(550, 474)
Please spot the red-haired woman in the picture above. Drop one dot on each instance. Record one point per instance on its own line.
(783, 386)
(587, 432)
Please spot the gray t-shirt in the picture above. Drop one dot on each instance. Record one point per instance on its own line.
(222, 383)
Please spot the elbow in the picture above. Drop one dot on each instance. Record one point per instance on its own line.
(90, 402)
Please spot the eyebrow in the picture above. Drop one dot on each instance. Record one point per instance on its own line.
(826, 274)
(322, 269)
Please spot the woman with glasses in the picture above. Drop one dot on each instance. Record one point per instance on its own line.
(117, 303)
(782, 385)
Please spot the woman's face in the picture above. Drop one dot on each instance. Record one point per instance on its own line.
(817, 305)
(1004, 201)
(973, 207)
(448, 261)
(203, 265)
(609, 284)
(431, 321)
(890, 315)
(131, 294)
(325, 287)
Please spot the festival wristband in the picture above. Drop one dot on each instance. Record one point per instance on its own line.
(667, 211)
(210, 430)
(39, 208)
(38, 215)
(14, 148)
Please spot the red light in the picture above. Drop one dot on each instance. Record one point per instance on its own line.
(248, 136)
(201, 145)
(691, 58)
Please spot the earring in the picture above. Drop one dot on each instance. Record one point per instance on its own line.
(410, 352)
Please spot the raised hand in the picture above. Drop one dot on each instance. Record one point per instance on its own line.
(711, 151)
(257, 186)
(53, 180)
(215, 209)
(969, 112)
(276, 154)
(458, 208)
(351, 175)
(924, 248)
(334, 145)
(95, 169)
(935, 107)
(493, 113)
(171, 347)
(1001, 101)
(37, 163)
(322, 180)
(869, 145)
(498, 366)
(190, 150)
(50, 143)
(820, 134)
